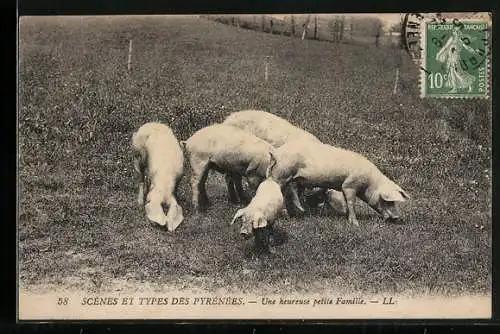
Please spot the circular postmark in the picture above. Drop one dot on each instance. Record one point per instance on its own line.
(411, 33)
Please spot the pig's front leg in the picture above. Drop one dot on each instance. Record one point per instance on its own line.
(350, 198)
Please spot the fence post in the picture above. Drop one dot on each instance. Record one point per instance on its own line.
(398, 60)
(306, 26)
(266, 69)
(129, 61)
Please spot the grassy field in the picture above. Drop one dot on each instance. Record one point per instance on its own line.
(79, 225)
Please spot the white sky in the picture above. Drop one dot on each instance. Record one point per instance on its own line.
(387, 18)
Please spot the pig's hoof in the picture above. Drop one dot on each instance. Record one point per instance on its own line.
(354, 222)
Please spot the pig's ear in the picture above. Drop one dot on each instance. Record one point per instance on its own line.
(252, 166)
(174, 217)
(238, 214)
(405, 194)
(261, 222)
(394, 195)
(155, 213)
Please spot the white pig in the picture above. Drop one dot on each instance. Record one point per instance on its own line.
(261, 212)
(278, 131)
(159, 163)
(326, 166)
(230, 151)
(273, 129)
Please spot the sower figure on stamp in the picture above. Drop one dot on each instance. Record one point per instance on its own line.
(457, 77)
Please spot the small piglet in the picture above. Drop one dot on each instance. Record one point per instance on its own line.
(326, 166)
(261, 212)
(159, 163)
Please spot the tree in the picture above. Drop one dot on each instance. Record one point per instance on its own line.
(341, 28)
(336, 25)
(315, 27)
(306, 26)
(366, 26)
(378, 31)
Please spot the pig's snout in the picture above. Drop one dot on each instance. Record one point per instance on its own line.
(391, 212)
(393, 216)
(246, 233)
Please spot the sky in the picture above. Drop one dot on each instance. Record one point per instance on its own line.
(387, 18)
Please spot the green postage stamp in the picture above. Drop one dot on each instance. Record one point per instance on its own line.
(455, 60)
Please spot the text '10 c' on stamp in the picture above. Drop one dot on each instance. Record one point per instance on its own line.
(455, 59)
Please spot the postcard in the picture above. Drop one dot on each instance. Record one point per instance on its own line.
(255, 167)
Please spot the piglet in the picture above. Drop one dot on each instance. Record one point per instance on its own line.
(261, 212)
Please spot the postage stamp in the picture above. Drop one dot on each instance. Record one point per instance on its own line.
(455, 59)
(187, 167)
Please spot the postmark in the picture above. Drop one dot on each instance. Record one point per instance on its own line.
(454, 59)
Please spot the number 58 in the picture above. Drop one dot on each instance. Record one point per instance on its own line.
(62, 301)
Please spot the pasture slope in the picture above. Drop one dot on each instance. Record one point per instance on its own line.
(79, 226)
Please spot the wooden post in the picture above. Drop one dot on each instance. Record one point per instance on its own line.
(266, 69)
(292, 23)
(262, 22)
(129, 62)
(398, 61)
(306, 26)
(396, 81)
